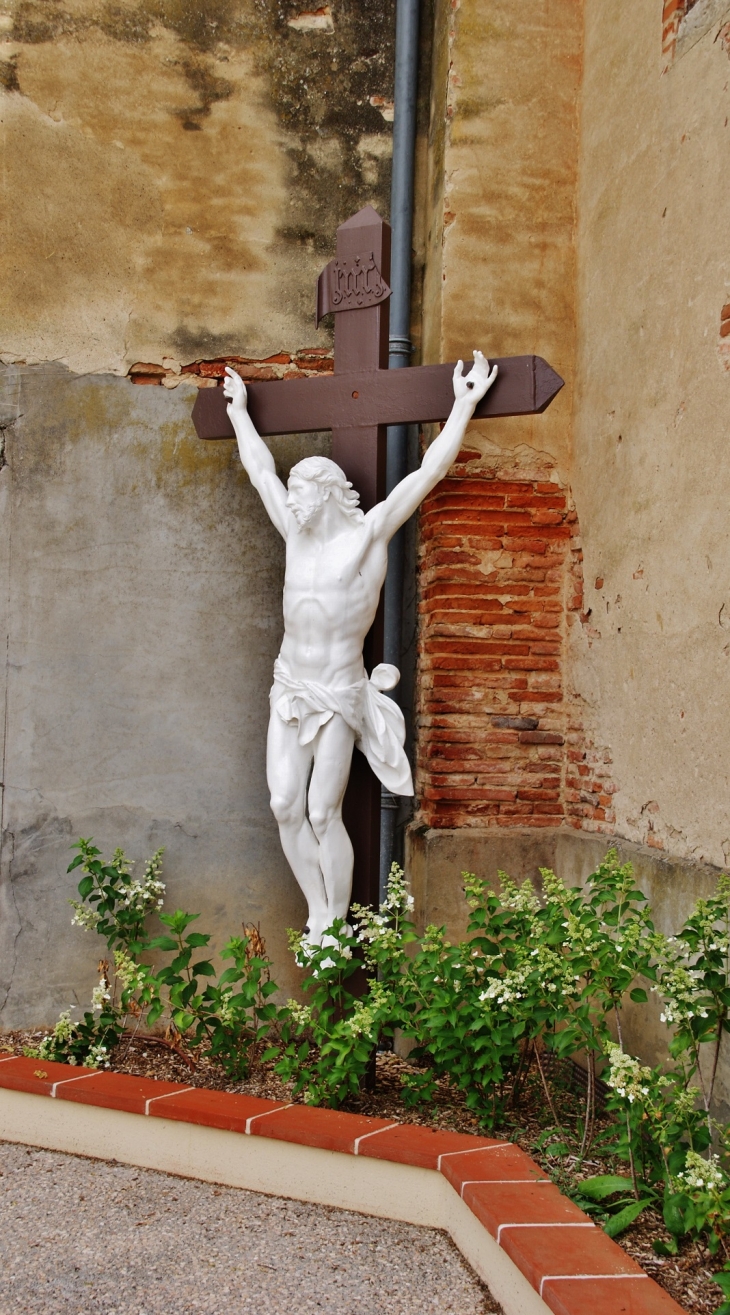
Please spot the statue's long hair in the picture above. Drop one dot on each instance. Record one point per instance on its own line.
(328, 475)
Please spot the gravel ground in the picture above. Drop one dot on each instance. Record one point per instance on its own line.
(80, 1236)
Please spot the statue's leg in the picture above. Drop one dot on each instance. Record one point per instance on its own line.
(287, 772)
(332, 762)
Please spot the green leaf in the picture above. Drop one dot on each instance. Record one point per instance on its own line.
(557, 1149)
(639, 996)
(178, 920)
(154, 1012)
(230, 975)
(183, 1020)
(75, 863)
(603, 1185)
(196, 939)
(617, 1223)
(674, 1215)
(203, 969)
(665, 1248)
(86, 885)
(163, 943)
(723, 1281)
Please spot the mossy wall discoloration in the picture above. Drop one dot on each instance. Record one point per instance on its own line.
(178, 171)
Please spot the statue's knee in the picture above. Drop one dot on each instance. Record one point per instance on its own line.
(286, 809)
(321, 818)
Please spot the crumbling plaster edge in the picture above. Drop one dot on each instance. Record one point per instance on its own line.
(304, 1173)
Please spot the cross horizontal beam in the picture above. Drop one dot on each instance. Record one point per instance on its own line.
(525, 385)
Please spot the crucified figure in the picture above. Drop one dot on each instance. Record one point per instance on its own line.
(322, 702)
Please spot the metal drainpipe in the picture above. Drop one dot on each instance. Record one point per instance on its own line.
(401, 221)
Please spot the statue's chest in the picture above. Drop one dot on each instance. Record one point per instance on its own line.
(334, 578)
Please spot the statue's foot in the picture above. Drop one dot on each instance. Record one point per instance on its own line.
(313, 933)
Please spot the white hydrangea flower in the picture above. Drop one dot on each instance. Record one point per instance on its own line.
(100, 995)
(98, 1056)
(702, 1175)
(84, 917)
(626, 1075)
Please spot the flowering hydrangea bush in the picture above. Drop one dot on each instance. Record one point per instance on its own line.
(538, 975)
(112, 903)
(232, 1015)
(328, 1046)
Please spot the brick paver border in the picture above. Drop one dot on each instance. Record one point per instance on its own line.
(567, 1260)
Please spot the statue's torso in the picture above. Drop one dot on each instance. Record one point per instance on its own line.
(331, 593)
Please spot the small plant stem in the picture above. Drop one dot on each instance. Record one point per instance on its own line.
(546, 1089)
(522, 1071)
(617, 1012)
(131, 1039)
(631, 1156)
(698, 1071)
(666, 1164)
(590, 1105)
(716, 1057)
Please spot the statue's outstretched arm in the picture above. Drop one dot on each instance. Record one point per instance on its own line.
(255, 456)
(388, 516)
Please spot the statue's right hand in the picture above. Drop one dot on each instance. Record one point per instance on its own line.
(235, 389)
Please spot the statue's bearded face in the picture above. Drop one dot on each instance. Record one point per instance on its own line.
(305, 500)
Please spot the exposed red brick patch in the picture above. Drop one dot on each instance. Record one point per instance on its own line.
(501, 575)
(300, 364)
(501, 741)
(673, 12)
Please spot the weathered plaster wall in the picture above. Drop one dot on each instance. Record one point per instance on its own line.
(651, 476)
(143, 619)
(173, 175)
(504, 140)
(177, 172)
(500, 560)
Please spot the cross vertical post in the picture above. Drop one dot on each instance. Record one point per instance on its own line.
(361, 343)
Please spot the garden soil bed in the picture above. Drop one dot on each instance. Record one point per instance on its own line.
(687, 1276)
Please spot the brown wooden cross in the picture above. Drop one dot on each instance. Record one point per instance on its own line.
(357, 403)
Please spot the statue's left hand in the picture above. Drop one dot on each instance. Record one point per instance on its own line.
(477, 382)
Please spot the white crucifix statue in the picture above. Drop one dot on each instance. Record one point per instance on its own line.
(337, 523)
(322, 701)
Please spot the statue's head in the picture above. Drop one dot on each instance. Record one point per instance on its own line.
(312, 482)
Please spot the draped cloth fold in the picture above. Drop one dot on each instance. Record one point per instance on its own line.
(378, 723)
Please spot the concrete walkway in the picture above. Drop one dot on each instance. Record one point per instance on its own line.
(80, 1236)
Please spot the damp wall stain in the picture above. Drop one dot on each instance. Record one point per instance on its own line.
(140, 611)
(178, 172)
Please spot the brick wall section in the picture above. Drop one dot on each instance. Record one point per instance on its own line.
(210, 374)
(499, 741)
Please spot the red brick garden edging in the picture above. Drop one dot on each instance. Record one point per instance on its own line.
(565, 1257)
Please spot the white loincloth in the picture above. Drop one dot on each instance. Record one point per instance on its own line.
(378, 723)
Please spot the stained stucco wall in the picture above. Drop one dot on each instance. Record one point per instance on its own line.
(173, 175)
(500, 553)
(177, 172)
(651, 476)
(501, 195)
(143, 584)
